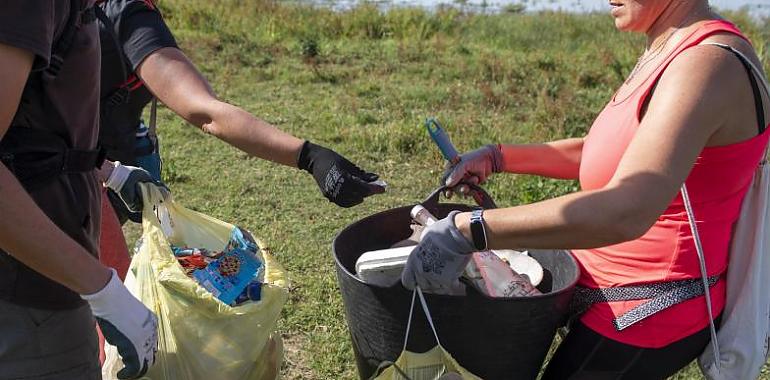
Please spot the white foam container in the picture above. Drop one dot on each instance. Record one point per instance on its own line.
(383, 267)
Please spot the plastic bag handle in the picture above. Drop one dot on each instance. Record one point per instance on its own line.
(417, 291)
(480, 195)
(152, 196)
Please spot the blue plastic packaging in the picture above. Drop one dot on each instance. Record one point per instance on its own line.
(228, 276)
(253, 292)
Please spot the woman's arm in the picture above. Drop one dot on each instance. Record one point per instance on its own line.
(26, 233)
(179, 85)
(556, 159)
(696, 97)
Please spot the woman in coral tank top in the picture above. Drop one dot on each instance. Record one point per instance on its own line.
(689, 112)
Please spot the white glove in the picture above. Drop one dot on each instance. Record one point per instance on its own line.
(127, 324)
(439, 260)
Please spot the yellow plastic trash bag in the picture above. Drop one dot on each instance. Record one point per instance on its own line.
(199, 336)
(434, 364)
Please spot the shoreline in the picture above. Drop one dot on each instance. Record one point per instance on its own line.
(754, 8)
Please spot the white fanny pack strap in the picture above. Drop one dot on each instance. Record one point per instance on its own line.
(703, 273)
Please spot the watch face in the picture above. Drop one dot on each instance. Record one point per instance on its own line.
(478, 233)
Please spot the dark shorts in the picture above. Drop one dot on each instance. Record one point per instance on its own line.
(586, 355)
(40, 344)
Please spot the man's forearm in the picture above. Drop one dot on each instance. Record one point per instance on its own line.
(28, 235)
(179, 85)
(556, 159)
(253, 135)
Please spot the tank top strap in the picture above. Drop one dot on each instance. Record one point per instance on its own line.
(695, 37)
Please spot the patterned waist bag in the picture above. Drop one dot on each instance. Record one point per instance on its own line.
(660, 296)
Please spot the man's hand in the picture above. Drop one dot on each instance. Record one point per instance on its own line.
(340, 181)
(474, 168)
(124, 180)
(437, 263)
(127, 324)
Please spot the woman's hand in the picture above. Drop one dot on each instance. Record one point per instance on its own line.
(474, 168)
(437, 263)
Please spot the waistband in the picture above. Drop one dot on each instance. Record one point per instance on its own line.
(660, 296)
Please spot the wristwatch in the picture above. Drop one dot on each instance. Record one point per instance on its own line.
(478, 230)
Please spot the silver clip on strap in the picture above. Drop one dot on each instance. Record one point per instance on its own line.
(418, 291)
(704, 275)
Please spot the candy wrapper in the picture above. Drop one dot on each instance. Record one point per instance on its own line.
(227, 276)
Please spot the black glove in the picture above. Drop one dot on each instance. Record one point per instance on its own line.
(340, 181)
(124, 180)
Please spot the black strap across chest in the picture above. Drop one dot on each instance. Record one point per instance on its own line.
(758, 104)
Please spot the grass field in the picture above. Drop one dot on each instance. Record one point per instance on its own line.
(362, 81)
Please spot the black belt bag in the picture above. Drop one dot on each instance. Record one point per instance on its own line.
(37, 157)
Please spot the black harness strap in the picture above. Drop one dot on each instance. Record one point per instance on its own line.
(121, 94)
(77, 18)
(754, 86)
(37, 157)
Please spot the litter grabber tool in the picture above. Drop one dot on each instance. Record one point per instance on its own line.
(441, 138)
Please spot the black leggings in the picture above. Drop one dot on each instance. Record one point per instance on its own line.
(584, 354)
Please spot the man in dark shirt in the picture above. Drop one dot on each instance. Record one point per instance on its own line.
(140, 59)
(51, 284)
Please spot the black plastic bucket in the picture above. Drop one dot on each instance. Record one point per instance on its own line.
(493, 338)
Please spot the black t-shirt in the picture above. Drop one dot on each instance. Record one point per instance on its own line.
(68, 107)
(140, 30)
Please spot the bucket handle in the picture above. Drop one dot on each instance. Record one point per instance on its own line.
(480, 195)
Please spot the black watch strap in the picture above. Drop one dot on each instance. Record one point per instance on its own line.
(478, 229)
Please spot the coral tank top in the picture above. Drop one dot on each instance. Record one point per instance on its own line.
(717, 184)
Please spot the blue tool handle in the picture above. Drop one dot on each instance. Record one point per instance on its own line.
(441, 138)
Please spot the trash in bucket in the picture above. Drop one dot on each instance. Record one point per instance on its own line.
(501, 273)
(494, 338)
(493, 277)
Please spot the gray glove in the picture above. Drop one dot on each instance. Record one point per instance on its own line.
(475, 166)
(437, 263)
(124, 180)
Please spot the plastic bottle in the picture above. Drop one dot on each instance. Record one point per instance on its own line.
(494, 278)
(422, 216)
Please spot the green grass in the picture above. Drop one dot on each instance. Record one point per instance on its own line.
(361, 82)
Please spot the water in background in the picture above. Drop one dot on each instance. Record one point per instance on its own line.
(757, 8)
